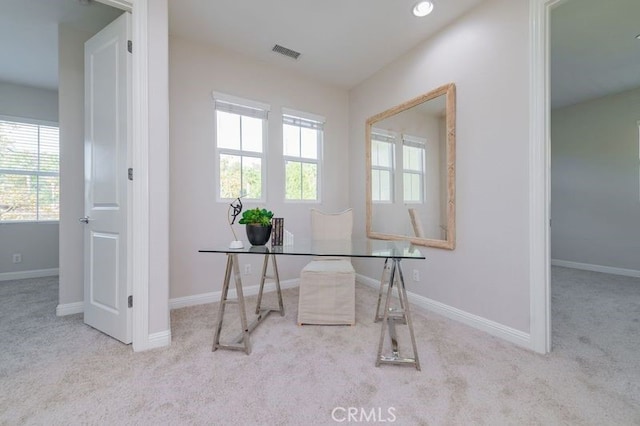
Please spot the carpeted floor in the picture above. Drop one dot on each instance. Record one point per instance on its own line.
(59, 371)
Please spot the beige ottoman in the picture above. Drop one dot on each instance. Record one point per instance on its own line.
(327, 293)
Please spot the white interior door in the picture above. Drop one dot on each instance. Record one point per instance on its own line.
(107, 286)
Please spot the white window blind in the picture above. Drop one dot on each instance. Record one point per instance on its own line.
(381, 135)
(301, 122)
(247, 111)
(414, 141)
(29, 171)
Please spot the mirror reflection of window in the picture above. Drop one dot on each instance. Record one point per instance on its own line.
(413, 168)
(382, 165)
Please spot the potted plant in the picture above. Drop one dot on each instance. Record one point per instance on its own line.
(258, 225)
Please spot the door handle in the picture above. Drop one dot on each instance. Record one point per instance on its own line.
(84, 219)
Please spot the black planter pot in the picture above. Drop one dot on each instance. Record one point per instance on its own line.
(258, 235)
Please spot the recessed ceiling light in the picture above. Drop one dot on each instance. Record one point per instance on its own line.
(638, 36)
(422, 8)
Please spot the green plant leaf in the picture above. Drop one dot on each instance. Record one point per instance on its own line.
(256, 216)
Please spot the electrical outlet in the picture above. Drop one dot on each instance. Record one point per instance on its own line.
(416, 275)
(247, 269)
(17, 257)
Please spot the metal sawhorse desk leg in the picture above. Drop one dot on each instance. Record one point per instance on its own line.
(242, 341)
(392, 316)
(385, 281)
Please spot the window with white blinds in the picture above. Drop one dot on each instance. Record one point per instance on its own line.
(413, 168)
(302, 136)
(29, 171)
(382, 165)
(241, 134)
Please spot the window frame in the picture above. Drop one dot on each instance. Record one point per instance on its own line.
(319, 122)
(38, 173)
(250, 108)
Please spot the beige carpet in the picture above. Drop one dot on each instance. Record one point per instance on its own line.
(59, 371)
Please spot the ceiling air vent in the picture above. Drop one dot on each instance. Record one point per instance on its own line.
(286, 52)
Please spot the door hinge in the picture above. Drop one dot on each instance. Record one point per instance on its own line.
(130, 301)
(130, 173)
(130, 46)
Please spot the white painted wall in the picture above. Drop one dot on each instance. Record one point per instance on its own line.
(595, 178)
(28, 102)
(71, 106)
(197, 220)
(37, 242)
(485, 53)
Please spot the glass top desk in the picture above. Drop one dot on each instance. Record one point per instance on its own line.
(392, 277)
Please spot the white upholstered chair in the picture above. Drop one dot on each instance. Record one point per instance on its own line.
(327, 284)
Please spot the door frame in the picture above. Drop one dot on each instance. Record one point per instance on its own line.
(540, 175)
(139, 206)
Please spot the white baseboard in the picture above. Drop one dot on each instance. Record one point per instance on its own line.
(37, 273)
(155, 340)
(159, 339)
(70, 309)
(509, 334)
(214, 296)
(596, 268)
(496, 329)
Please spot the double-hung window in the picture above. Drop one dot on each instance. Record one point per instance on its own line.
(29, 171)
(413, 168)
(302, 135)
(241, 135)
(382, 165)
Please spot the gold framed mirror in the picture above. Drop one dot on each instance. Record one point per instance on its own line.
(411, 170)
